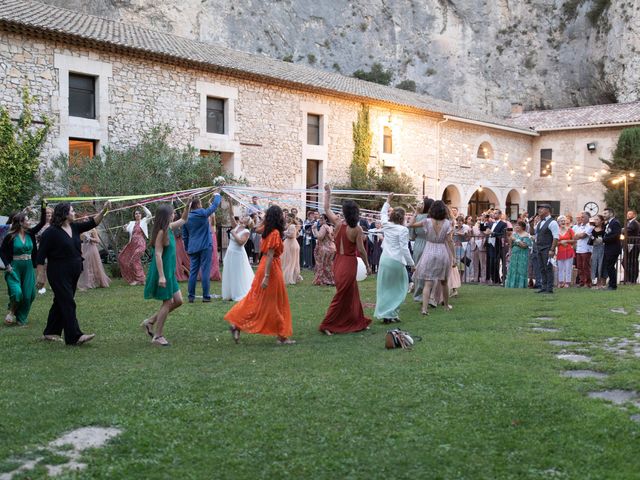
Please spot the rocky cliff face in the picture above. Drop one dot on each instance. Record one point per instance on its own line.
(485, 53)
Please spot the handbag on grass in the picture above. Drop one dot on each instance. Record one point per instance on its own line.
(397, 338)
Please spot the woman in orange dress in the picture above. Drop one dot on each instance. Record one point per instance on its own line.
(265, 309)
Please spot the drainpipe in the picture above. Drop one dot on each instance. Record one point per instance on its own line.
(439, 152)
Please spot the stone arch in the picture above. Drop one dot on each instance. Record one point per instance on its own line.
(484, 148)
(513, 204)
(480, 200)
(451, 196)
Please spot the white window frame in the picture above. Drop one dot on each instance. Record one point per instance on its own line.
(219, 142)
(77, 127)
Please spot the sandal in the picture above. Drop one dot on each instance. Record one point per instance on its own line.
(424, 312)
(147, 327)
(448, 308)
(160, 341)
(10, 319)
(235, 333)
(286, 341)
(327, 333)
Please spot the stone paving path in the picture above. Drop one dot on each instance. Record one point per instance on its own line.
(70, 445)
(618, 346)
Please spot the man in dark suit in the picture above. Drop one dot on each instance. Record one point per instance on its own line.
(612, 247)
(547, 234)
(633, 248)
(495, 238)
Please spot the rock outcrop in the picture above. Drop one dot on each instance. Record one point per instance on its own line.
(485, 53)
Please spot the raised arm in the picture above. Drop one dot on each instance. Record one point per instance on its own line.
(215, 203)
(43, 218)
(147, 213)
(183, 219)
(98, 218)
(333, 218)
(384, 213)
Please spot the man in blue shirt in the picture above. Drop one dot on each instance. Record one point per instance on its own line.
(196, 235)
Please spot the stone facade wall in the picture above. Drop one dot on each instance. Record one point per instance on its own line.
(267, 144)
(498, 176)
(569, 149)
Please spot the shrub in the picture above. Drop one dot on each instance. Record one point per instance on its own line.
(152, 166)
(311, 58)
(20, 147)
(409, 85)
(597, 9)
(377, 74)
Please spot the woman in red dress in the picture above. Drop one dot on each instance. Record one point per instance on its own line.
(265, 309)
(345, 313)
(183, 262)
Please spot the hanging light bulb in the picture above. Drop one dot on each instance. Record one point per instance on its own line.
(568, 188)
(528, 174)
(524, 189)
(480, 188)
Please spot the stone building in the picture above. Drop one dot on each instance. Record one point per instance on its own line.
(284, 125)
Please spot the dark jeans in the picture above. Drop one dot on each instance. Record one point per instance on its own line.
(63, 278)
(609, 266)
(200, 261)
(546, 269)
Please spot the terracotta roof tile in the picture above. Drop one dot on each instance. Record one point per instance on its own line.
(592, 116)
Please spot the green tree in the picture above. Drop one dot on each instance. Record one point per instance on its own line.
(377, 74)
(626, 159)
(152, 166)
(20, 146)
(362, 138)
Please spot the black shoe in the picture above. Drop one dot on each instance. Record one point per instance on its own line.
(206, 300)
(612, 288)
(540, 291)
(191, 299)
(547, 291)
(387, 321)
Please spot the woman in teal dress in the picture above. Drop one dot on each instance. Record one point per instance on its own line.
(161, 283)
(18, 252)
(519, 264)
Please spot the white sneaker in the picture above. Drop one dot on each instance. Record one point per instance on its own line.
(10, 319)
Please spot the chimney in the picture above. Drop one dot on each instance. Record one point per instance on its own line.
(516, 109)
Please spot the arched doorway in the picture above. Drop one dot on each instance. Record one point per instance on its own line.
(451, 197)
(513, 205)
(481, 200)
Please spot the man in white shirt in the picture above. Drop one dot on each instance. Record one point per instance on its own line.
(582, 231)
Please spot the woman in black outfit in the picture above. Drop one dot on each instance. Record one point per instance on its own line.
(60, 245)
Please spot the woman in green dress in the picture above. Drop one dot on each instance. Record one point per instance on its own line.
(18, 252)
(519, 264)
(161, 283)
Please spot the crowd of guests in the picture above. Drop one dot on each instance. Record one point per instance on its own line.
(425, 254)
(543, 252)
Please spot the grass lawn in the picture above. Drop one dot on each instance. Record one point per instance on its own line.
(481, 397)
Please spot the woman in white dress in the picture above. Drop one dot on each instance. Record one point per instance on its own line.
(237, 274)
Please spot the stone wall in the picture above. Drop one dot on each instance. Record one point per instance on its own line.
(569, 149)
(267, 144)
